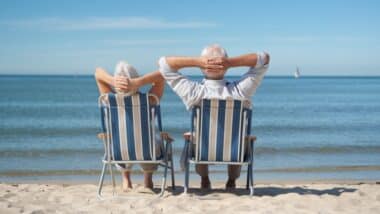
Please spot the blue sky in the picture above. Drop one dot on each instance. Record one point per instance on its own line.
(74, 37)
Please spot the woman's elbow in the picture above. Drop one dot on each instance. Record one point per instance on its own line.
(98, 73)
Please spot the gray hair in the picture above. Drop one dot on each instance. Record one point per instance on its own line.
(124, 69)
(214, 50)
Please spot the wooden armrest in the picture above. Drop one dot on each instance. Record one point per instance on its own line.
(166, 137)
(102, 135)
(251, 138)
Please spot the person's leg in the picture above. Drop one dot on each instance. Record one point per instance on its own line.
(202, 170)
(126, 175)
(127, 182)
(234, 171)
(148, 170)
(233, 174)
(148, 180)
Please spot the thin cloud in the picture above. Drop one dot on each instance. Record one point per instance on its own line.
(104, 23)
(173, 41)
(306, 39)
(296, 39)
(147, 42)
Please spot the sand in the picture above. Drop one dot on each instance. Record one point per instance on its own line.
(269, 198)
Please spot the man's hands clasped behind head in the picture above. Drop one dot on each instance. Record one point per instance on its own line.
(214, 67)
(222, 62)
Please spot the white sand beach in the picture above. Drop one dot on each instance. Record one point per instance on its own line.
(269, 198)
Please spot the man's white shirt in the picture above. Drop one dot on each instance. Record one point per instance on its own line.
(192, 92)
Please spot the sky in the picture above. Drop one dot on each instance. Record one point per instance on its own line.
(75, 37)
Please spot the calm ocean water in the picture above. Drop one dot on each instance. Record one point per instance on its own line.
(310, 128)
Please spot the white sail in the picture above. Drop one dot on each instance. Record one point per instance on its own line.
(297, 74)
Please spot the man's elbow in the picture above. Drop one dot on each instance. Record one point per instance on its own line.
(267, 58)
(170, 63)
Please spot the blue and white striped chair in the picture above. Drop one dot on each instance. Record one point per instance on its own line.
(220, 131)
(129, 125)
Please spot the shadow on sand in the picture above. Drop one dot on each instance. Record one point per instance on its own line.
(265, 191)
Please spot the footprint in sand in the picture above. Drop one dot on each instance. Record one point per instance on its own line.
(37, 212)
(355, 202)
(9, 195)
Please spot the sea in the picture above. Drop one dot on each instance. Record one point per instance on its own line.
(308, 129)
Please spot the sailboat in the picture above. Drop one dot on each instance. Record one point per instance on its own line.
(297, 73)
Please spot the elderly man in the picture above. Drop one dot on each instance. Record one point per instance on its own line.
(214, 64)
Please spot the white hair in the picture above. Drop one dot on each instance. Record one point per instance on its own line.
(214, 50)
(124, 69)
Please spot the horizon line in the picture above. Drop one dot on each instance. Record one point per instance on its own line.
(192, 75)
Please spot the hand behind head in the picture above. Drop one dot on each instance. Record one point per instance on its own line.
(215, 67)
(123, 84)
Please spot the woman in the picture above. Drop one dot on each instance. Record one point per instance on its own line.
(125, 80)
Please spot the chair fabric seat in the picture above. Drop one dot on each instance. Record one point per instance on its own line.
(131, 127)
(220, 130)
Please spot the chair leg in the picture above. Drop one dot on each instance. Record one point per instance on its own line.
(186, 178)
(163, 184)
(248, 177)
(187, 166)
(172, 167)
(101, 180)
(251, 188)
(250, 170)
(113, 179)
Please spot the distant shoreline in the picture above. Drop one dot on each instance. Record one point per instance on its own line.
(195, 182)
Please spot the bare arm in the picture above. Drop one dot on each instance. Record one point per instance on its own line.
(248, 60)
(214, 64)
(104, 80)
(179, 62)
(250, 81)
(155, 78)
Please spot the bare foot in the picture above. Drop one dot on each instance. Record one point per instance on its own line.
(127, 186)
(230, 185)
(205, 183)
(127, 183)
(148, 184)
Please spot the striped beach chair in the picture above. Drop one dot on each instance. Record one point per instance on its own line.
(129, 126)
(221, 134)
